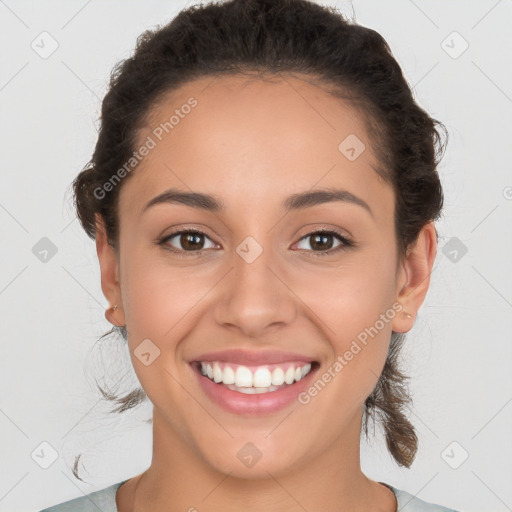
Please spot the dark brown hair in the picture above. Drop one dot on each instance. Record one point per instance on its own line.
(272, 37)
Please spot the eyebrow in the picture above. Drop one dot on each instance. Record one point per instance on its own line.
(297, 201)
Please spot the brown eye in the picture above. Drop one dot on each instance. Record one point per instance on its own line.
(186, 240)
(191, 241)
(322, 242)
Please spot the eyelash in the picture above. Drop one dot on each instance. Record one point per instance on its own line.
(346, 243)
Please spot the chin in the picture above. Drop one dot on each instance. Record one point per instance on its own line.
(256, 460)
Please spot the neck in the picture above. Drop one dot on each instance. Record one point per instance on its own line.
(178, 479)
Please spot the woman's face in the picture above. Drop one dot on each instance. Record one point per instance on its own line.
(261, 287)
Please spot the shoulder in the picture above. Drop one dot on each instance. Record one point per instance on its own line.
(410, 503)
(104, 500)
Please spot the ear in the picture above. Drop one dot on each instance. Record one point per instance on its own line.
(109, 266)
(414, 277)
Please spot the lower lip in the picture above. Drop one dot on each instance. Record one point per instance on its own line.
(257, 404)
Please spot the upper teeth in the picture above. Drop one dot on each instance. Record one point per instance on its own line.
(260, 377)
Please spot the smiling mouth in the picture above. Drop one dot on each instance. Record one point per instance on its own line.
(253, 380)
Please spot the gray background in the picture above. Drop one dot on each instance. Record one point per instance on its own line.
(458, 353)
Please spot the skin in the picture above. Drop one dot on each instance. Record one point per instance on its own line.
(252, 143)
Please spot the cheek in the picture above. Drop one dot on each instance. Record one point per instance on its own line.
(159, 305)
(162, 303)
(354, 307)
(156, 294)
(350, 297)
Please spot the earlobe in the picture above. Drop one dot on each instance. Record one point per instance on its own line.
(110, 286)
(109, 315)
(415, 277)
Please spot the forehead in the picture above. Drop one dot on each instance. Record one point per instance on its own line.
(270, 137)
(292, 106)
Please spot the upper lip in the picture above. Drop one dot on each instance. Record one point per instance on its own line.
(252, 357)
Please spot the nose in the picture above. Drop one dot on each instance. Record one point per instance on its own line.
(254, 297)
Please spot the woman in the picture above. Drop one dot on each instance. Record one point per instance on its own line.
(263, 195)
